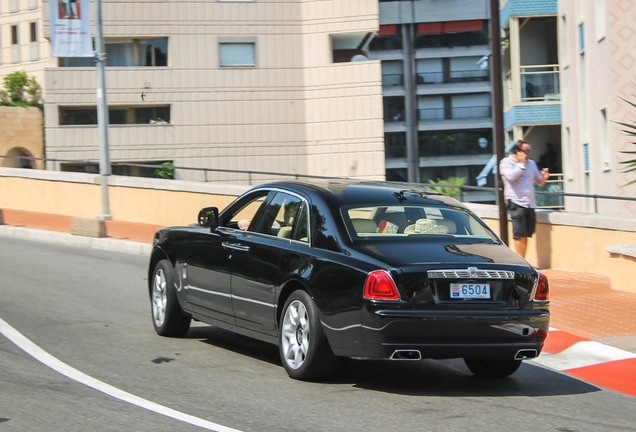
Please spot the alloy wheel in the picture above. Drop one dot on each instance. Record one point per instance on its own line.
(296, 332)
(159, 298)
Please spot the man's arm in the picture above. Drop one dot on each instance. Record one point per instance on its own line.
(510, 169)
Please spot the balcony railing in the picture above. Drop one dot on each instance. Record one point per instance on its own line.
(255, 177)
(434, 114)
(389, 80)
(459, 76)
(540, 83)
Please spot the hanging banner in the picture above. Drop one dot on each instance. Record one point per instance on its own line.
(71, 28)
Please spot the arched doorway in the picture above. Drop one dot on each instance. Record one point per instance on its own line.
(18, 158)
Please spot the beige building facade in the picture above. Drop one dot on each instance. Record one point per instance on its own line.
(23, 46)
(256, 85)
(597, 55)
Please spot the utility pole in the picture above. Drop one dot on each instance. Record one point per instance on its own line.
(102, 112)
(497, 108)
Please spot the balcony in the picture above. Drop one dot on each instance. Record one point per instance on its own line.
(540, 83)
(436, 114)
(460, 76)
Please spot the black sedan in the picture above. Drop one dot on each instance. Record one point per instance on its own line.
(368, 270)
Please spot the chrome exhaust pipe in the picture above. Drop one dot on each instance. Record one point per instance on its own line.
(406, 355)
(526, 354)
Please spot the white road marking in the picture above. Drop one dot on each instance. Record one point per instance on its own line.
(581, 354)
(47, 359)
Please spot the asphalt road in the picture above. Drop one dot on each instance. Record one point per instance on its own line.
(89, 310)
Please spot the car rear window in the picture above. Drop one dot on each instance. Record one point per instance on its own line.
(403, 221)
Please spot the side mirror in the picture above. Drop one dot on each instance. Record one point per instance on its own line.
(208, 217)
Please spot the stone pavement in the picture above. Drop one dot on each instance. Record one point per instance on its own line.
(594, 327)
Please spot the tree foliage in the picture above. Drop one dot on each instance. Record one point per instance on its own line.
(450, 186)
(630, 129)
(21, 90)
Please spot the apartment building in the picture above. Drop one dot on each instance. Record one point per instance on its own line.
(597, 63)
(532, 86)
(355, 88)
(260, 85)
(436, 89)
(22, 42)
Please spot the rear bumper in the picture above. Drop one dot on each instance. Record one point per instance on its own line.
(454, 334)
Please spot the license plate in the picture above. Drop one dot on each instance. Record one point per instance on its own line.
(469, 291)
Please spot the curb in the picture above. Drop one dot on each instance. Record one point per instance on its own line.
(111, 244)
(596, 363)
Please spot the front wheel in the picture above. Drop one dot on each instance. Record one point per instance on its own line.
(167, 316)
(492, 368)
(304, 350)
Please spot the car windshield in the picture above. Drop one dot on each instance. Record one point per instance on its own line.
(413, 220)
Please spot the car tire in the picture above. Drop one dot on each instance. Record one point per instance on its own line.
(167, 316)
(304, 349)
(492, 368)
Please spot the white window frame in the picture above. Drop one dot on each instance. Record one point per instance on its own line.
(242, 59)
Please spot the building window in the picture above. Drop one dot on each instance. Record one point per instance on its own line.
(603, 141)
(451, 33)
(14, 35)
(33, 31)
(581, 38)
(152, 168)
(74, 116)
(392, 73)
(394, 109)
(586, 158)
(237, 54)
(133, 53)
(452, 142)
(388, 38)
(395, 144)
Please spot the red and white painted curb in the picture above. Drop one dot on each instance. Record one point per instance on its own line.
(590, 361)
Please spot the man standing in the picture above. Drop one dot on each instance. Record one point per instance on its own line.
(519, 174)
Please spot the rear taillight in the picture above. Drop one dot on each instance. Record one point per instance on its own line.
(543, 289)
(380, 286)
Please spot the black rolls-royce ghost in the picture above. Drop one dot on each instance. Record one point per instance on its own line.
(369, 270)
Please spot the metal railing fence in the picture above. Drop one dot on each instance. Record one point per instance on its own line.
(251, 178)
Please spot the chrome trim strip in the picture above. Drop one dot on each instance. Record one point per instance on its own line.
(470, 274)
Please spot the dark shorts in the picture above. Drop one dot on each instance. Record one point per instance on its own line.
(523, 220)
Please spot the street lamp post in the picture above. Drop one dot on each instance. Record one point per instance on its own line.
(497, 107)
(102, 111)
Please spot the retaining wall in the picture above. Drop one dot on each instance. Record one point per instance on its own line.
(578, 242)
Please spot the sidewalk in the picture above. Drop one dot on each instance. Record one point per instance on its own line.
(584, 309)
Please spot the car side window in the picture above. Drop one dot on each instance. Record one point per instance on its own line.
(278, 216)
(242, 217)
(302, 224)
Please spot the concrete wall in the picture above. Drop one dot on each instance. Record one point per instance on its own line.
(578, 242)
(564, 241)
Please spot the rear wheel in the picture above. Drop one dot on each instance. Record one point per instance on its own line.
(492, 368)
(167, 316)
(303, 347)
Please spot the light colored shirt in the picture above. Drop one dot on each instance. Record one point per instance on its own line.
(519, 181)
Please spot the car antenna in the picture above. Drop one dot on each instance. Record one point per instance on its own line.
(400, 195)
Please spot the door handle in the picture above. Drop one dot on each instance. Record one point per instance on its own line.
(235, 246)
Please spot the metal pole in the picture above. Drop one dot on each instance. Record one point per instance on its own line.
(102, 111)
(497, 108)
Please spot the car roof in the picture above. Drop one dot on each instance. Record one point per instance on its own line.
(353, 192)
